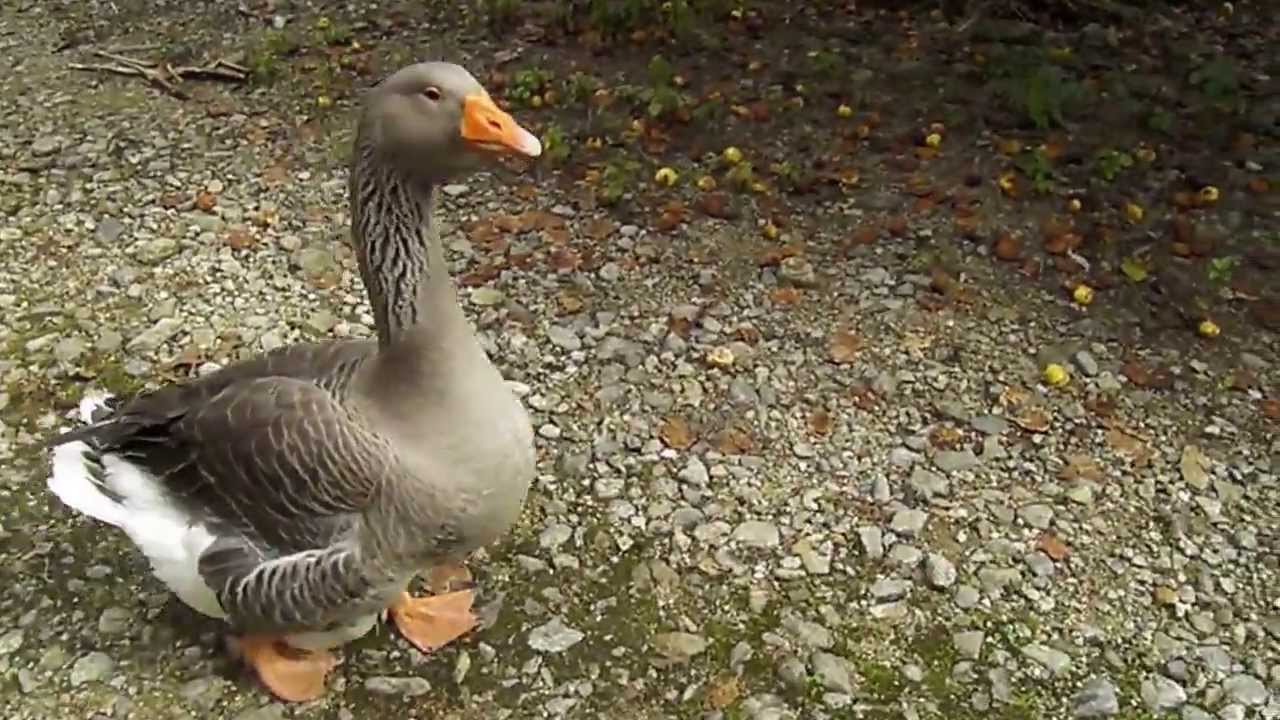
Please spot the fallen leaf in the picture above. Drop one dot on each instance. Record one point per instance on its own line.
(1142, 376)
(897, 226)
(1052, 546)
(734, 441)
(785, 295)
(843, 347)
(1081, 467)
(1193, 466)
(275, 175)
(599, 228)
(820, 422)
(675, 432)
(1033, 419)
(564, 259)
(945, 437)
(568, 303)
(239, 238)
(1008, 247)
(1271, 409)
(1134, 269)
(723, 691)
(1127, 444)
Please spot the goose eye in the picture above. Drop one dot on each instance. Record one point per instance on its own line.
(432, 93)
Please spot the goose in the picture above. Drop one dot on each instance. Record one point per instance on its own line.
(295, 495)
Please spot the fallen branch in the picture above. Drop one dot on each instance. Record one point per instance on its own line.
(165, 76)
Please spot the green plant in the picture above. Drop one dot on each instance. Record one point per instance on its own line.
(329, 33)
(501, 12)
(266, 60)
(527, 86)
(1220, 269)
(616, 178)
(1044, 91)
(1038, 168)
(1109, 163)
(554, 145)
(1217, 80)
(662, 98)
(1160, 121)
(580, 86)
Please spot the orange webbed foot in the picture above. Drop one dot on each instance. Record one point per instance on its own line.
(293, 675)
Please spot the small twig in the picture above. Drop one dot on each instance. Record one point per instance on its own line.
(133, 48)
(124, 59)
(162, 75)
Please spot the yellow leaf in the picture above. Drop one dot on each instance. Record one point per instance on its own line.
(1134, 269)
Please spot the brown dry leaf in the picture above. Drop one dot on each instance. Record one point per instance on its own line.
(820, 422)
(945, 437)
(1123, 442)
(675, 432)
(897, 225)
(1033, 419)
(275, 175)
(599, 228)
(556, 235)
(239, 238)
(785, 295)
(716, 205)
(1143, 376)
(1052, 546)
(734, 441)
(565, 259)
(1008, 247)
(172, 200)
(668, 221)
(967, 225)
(1081, 467)
(568, 303)
(775, 255)
(206, 200)
(723, 691)
(1270, 408)
(866, 234)
(1062, 243)
(843, 347)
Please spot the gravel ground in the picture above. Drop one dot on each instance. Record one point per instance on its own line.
(861, 504)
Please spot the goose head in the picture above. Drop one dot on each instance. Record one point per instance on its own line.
(435, 121)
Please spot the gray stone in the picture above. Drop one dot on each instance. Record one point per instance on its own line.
(950, 461)
(1191, 712)
(402, 686)
(927, 484)
(91, 668)
(154, 252)
(694, 472)
(832, 671)
(757, 533)
(564, 338)
(114, 621)
(1159, 693)
(890, 589)
(554, 637)
(809, 633)
(969, 644)
(158, 334)
(109, 230)
(1245, 689)
(939, 571)
(1052, 659)
(1087, 364)
(1096, 699)
(679, 647)
(1037, 515)
(989, 424)
(908, 523)
(872, 542)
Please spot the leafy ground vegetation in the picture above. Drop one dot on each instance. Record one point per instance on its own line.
(889, 360)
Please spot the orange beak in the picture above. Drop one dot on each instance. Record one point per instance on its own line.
(486, 125)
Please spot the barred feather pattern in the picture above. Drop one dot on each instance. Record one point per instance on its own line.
(391, 214)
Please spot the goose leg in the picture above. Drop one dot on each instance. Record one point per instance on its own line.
(432, 622)
(293, 675)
